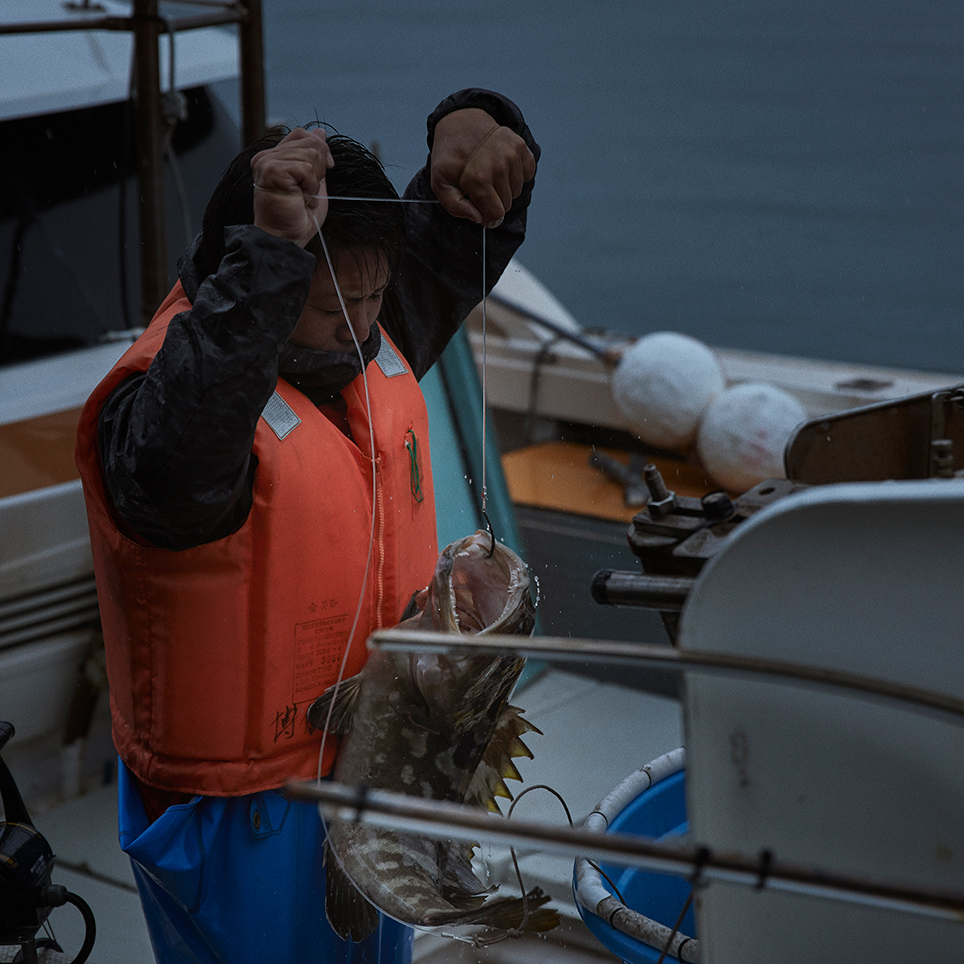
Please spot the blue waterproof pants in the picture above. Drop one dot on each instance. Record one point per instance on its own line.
(239, 880)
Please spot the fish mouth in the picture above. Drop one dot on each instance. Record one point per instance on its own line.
(484, 586)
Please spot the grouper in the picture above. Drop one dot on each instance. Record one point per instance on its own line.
(438, 727)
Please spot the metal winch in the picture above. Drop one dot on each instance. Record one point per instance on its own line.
(916, 437)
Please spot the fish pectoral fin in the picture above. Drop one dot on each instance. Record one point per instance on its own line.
(340, 701)
(350, 914)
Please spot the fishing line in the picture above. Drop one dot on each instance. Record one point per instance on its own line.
(389, 200)
(371, 541)
(518, 931)
(371, 442)
(485, 514)
(396, 200)
(371, 537)
(676, 927)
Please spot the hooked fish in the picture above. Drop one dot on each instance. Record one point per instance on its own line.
(438, 727)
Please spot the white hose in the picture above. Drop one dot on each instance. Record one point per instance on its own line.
(590, 891)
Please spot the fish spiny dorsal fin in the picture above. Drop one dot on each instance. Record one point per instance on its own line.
(512, 726)
(515, 727)
(480, 792)
(496, 766)
(510, 771)
(486, 784)
(346, 700)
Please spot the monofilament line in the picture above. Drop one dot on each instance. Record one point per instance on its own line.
(484, 396)
(371, 538)
(390, 200)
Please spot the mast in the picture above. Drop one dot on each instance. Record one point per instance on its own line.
(147, 27)
(150, 160)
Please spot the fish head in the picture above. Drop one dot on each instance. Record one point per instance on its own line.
(478, 587)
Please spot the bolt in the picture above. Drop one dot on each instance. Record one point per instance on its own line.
(654, 482)
(717, 506)
(661, 501)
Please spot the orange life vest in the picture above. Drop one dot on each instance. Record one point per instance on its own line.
(215, 653)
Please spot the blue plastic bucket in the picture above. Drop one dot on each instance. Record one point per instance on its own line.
(658, 813)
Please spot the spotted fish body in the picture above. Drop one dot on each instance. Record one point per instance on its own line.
(437, 727)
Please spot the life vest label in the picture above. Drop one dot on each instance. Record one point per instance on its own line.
(388, 361)
(319, 644)
(279, 416)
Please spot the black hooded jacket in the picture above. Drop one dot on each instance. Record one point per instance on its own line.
(176, 441)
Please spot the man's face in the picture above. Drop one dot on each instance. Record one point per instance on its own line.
(362, 278)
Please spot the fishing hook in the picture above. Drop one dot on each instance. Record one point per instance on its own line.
(488, 525)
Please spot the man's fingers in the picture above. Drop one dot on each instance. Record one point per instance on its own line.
(455, 201)
(495, 173)
(298, 162)
(290, 197)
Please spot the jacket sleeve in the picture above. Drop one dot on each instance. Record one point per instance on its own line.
(439, 279)
(176, 441)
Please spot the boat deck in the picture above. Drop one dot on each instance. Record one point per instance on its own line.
(594, 734)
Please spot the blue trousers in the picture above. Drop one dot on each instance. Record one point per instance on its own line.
(239, 880)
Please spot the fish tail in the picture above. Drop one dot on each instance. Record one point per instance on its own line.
(504, 913)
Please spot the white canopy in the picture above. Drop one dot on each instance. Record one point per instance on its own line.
(45, 72)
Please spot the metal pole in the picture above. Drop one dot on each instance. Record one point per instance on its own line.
(253, 108)
(150, 171)
(442, 820)
(551, 648)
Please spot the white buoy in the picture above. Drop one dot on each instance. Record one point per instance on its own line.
(744, 432)
(663, 384)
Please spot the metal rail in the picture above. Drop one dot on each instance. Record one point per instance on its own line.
(228, 15)
(670, 657)
(438, 819)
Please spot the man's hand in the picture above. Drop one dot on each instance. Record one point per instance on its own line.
(289, 185)
(478, 167)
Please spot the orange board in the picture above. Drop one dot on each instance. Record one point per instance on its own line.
(38, 452)
(557, 475)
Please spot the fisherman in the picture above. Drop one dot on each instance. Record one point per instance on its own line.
(259, 493)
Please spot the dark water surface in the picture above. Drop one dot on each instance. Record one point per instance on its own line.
(779, 176)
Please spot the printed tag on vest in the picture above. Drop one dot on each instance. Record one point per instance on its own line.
(279, 415)
(390, 364)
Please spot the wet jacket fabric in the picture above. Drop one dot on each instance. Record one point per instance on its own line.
(215, 652)
(180, 488)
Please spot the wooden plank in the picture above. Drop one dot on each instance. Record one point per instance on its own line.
(557, 475)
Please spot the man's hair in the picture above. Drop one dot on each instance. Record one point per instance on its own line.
(350, 225)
